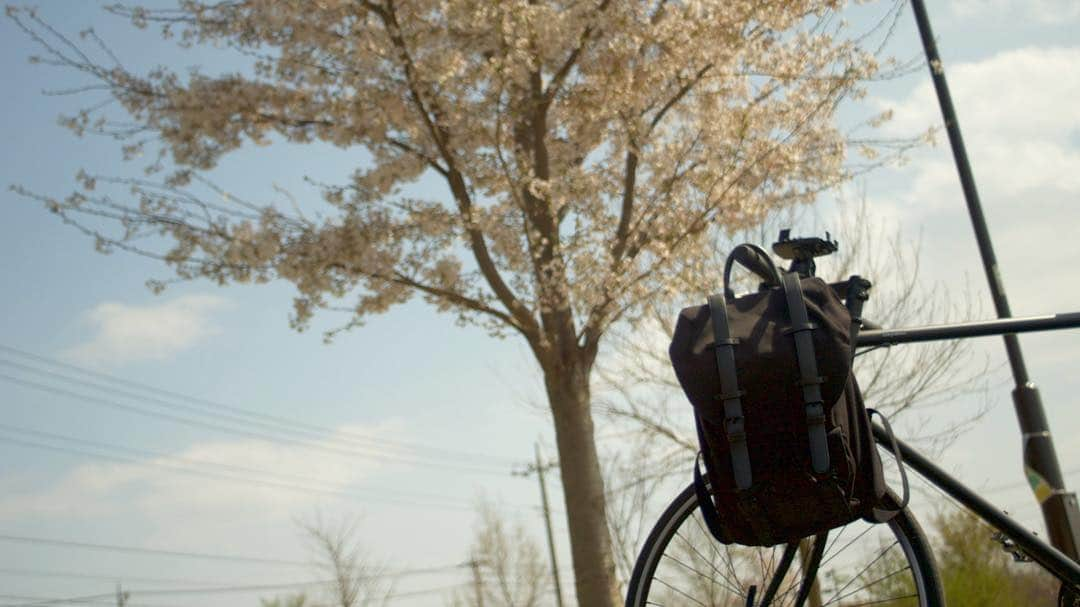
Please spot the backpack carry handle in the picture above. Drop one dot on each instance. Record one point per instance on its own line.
(755, 259)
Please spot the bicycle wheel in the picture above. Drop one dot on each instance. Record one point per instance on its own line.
(887, 565)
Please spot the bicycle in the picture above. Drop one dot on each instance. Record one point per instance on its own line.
(681, 564)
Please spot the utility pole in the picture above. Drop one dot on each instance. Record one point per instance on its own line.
(478, 587)
(539, 467)
(1059, 507)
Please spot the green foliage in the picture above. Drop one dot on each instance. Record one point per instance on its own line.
(973, 568)
(976, 571)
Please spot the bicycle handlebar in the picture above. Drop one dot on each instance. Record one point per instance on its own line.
(872, 334)
(1003, 326)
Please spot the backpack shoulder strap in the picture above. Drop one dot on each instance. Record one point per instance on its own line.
(730, 396)
(808, 374)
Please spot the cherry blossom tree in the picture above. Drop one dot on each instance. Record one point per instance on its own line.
(588, 150)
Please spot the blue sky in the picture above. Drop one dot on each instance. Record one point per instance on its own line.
(411, 375)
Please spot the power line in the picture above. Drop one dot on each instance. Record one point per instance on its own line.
(99, 598)
(239, 431)
(401, 595)
(101, 577)
(25, 539)
(291, 429)
(327, 487)
(216, 585)
(401, 501)
(264, 587)
(277, 422)
(256, 588)
(37, 600)
(109, 599)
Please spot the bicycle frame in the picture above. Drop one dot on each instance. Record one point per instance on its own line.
(1053, 560)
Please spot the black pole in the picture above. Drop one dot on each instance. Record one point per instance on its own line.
(1059, 508)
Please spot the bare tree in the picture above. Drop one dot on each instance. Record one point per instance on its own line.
(355, 580)
(590, 152)
(512, 569)
(293, 600)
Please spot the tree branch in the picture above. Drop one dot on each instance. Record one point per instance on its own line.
(455, 298)
(525, 322)
(679, 95)
(560, 75)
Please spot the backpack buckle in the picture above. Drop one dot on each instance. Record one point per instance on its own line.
(799, 328)
(734, 428)
(724, 397)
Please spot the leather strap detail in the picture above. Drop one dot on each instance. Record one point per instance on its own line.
(809, 379)
(734, 426)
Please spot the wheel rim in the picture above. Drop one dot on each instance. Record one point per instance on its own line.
(863, 565)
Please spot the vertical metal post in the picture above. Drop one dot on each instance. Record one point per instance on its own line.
(121, 596)
(1060, 511)
(478, 587)
(547, 524)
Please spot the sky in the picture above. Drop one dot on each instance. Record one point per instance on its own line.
(405, 424)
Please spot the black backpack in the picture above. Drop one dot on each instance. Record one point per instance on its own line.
(784, 434)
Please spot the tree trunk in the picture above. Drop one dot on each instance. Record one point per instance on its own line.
(583, 485)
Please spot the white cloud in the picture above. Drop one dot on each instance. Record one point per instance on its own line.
(156, 490)
(1020, 123)
(126, 333)
(1050, 12)
(1028, 92)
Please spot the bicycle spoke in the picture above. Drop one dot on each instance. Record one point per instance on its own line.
(703, 576)
(857, 538)
(792, 588)
(836, 533)
(766, 568)
(862, 571)
(727, 550)
(880, 579)
(889, 600)
(736, 590)
(680, 592)
(731, 566)
(693, 547)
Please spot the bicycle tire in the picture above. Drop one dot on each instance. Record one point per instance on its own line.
(917, 575)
